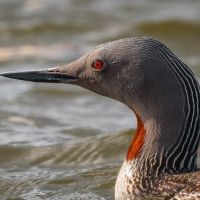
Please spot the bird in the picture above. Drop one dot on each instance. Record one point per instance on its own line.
(164, 94)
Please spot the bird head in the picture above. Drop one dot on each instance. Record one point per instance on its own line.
(127, 70)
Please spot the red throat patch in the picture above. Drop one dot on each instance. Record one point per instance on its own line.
(137, 142)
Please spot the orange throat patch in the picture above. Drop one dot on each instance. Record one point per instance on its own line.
(137, 142)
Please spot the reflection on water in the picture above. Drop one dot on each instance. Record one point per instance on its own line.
(63, 142)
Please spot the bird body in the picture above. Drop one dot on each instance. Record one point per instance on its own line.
(131, 184)
(163, 93)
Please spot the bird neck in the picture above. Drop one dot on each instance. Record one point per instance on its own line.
(138, 140)
(163, 143)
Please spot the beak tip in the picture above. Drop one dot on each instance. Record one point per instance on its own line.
(8, 75)
(5, 74)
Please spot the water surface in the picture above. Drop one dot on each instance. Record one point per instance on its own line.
(63, 142)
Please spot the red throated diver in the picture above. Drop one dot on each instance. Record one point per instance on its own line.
(164, 94)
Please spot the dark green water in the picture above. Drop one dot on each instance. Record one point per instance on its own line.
(59, 141)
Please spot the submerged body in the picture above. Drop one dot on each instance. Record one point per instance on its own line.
(164, 94)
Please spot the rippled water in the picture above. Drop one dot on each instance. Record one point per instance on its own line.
(63, 142)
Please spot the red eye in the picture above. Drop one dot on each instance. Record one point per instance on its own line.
(98, 65)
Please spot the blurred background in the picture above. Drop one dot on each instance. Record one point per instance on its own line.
(63, 142)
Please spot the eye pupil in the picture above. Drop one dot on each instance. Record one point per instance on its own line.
(98, 65)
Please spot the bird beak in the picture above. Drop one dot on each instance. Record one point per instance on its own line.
(66, 74)
(48, 76)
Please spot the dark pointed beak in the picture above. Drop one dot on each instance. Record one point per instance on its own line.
(48, 76)
(69, 73)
